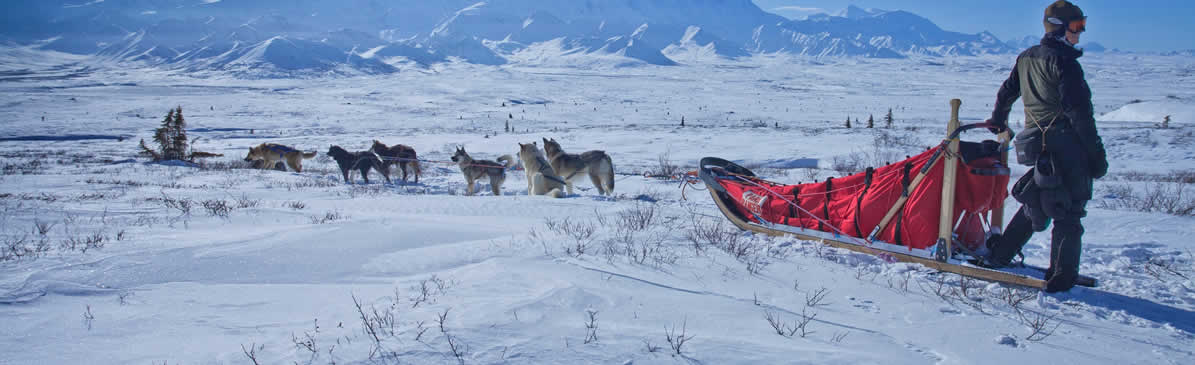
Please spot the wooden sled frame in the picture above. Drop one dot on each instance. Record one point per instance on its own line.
(939, 260)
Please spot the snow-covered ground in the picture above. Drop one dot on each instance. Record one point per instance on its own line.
(303, 268)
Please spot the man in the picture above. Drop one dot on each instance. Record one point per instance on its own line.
(1059, 139)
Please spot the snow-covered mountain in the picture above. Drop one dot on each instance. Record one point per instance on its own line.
(372, 37)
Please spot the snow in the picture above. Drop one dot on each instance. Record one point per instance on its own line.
(275, 279)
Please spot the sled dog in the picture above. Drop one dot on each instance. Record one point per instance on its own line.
(597, 164)
(402, 155)
(270, 153)
(541, 178)
(361, 161)
(475, 170)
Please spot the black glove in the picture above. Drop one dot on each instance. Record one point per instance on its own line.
(996, 127)
(1099, 167)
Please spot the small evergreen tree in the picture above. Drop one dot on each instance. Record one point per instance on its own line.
(172, 141)
(871, 122)
(1166, 122)
(179, 144)
(888, 118)
(848, 122)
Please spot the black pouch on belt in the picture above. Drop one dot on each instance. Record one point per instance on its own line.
(1029, 147)
(1045, 176)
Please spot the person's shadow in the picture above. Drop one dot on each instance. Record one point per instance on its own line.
(1160, 313)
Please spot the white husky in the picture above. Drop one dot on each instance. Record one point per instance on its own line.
(541, 178)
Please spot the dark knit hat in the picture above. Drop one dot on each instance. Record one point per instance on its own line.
(1061, 13)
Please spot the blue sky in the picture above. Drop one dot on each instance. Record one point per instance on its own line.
(1156, 25)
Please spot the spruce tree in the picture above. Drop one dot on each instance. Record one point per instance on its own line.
(848, 122)
(871, 123)
(888, 118)
(179, 142)
(171, 140)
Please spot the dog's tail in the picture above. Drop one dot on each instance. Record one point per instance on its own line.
(416, 165)
(509, 161)
(608, 175)
(309, 155)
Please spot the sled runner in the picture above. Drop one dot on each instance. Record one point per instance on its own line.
(894, 211)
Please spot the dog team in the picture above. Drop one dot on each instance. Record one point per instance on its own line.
(550, 171)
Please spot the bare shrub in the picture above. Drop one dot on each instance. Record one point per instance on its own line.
(457, 348)
(705, 233)
(377, 325)
(328, 217)
(815, 298)
(782, 328)
(848, 164)
(856, 162)
(123, 297)
(1175, 176)
(251, 352)
(812, 174)
(14, 248)
(307, 342)
(296, 205)
(88, 317)
(1015, 297)
(310, 183)
(1169, 269)
(217, 208)
(580, 231)
(82, 243)
(224, 165)
(838, 337)
(803, 322)
(676, 340)
(1161, 197)
(1041, 326)
(664, 168)
(651, 348)
(428, 289)
(244, 202)
(639, 218)
(591, 326)
(42, 228)
(182, 205)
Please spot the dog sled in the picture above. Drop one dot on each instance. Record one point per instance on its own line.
(895, 211)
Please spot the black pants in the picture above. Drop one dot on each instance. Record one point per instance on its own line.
(1066, 244)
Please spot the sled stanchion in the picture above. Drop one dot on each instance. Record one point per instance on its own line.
(997, 219)
(949, 181)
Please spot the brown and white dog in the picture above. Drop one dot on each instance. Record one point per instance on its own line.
(270, 153)
(475, 170)
(596, 164)
(401, 155)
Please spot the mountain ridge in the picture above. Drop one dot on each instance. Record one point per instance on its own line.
(195, 34)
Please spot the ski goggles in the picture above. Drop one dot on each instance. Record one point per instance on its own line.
(1077, 26)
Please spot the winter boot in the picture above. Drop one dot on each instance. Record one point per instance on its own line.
(1003, 247)
(1065, 249)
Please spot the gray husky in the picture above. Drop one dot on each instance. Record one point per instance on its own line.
(541, 178)
(475, 170)
(596, 164)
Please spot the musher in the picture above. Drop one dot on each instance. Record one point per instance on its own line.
(1059, 140)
